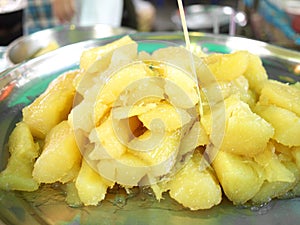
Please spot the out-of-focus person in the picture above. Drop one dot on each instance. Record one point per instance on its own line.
(275, 21)
(11, 20)
(89, 12)
(38, 15)
(146, 13)
(293, 9)
(43, 14)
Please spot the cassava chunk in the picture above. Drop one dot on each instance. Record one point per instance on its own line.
(174, 118)
(120, 83)
(282, 95)
(228, 66)
(273, 189)
(128, 170)
(194, 188)
(255, 73)
(161, 153)
(89, 56)
(23, 152)
(52, 106)
(180, 88)
(90, 185)
(296, 155)
(246, 133)
(286, 123)
(107, 140)
(274, 170)
(280, 173)
(241, 178)
(60, 159)
(178, 57)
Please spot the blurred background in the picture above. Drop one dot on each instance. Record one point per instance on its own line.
(272, 21)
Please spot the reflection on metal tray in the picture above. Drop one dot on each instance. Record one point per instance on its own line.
(210, 18)
(46, 206)
(25, 47)
(3, 62)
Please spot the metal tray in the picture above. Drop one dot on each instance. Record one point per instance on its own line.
(19, 86)
(25, 47)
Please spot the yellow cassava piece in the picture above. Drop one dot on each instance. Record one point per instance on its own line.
(282, 95)
(193, 188)
(89, 56)
(52, 106)
(90, 185)
(228, 66)
(53, 45)
(255, 73)
(286, 123)
(275, 170)
(120, 83)
(18, 172)
(239, 177)
(246, 133)
(174, 118)
(60, 159)
(161, 152)
(107, 137)
(281, 176)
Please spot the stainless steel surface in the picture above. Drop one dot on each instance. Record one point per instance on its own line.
(200, 17)
(24, 47)
(3, 62)
(47, 206)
